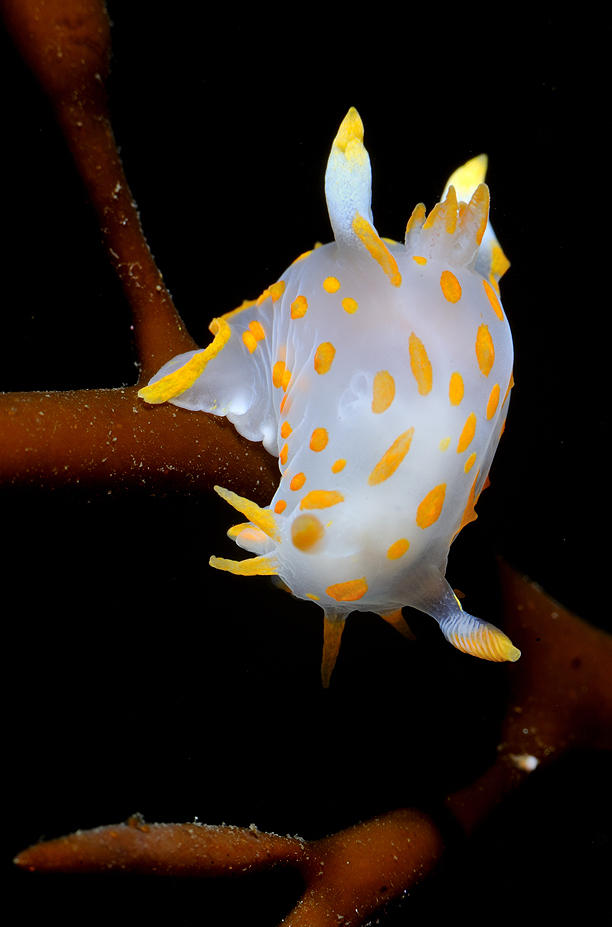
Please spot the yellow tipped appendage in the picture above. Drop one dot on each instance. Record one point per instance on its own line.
(175, 383)
(333, 626)
(254, 566)
(348, 179)
(263, 518)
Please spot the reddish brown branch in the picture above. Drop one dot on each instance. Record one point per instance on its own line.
(109, 437)
(66, 43)
(561, 697)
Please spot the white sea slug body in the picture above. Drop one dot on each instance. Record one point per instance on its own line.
(379, 374)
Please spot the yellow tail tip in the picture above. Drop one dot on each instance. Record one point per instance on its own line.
(351, 129)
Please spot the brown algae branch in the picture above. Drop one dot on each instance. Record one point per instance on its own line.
(348, 875)
(66, 43)
(108, 437)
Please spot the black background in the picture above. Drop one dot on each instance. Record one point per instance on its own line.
(179, 692)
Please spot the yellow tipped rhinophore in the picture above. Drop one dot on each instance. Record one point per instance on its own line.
(175, 383)
(348, 179)
(467, 177)
(263, 518)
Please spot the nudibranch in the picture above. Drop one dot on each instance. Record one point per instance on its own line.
(379, 374)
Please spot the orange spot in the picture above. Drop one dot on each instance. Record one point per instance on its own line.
(324, 357)
(285, 379)
(485, 351)
(383, 391)
(257, 330)
(276, 290)
(284, 406)
(286, 430)
(492, 402)
(495, 304)
(469, 430)
(250, 341)
(321, 499)
(338, 465)
(429, 508)
(420, 365)
(297, 481)
(450, 286)
(398, 549)
(278, 372)
(391, 459)
(299, 307)
(306, 530)
(280, 506)
(331, 284)
(455, 389)
(443, 445)
(377, 248)
(470, 462)
(350, 305)
(348, 592)
(418, 259)
(283, 454)
(318, 439)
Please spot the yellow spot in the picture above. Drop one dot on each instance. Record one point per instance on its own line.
(429, 508)
(331, 284)
(299, 307)
(470, 462)
(485, 351)
(285, 405)
(391, 459)
(492, 296)
(398, 549)
(175, 383)
(278, 372)
(318, 439)
(286, 430)
(383, 391)
(297, 481)
(338, 465)
(492, 402)
(280, 506)
(350, 591)
(455, 389)
(263, 518)
(276, 290)
(324, 357)
(450, 286)
(306, 530)
(350, 305)
(283, 454)
(321, 499)
(377, 248)
(257, 330)
(469, 430)
(443, 445)
(311, 595)
(285, 379)
(419, 259)
(420, 365)
(250, 341)
(254, 566)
